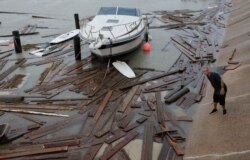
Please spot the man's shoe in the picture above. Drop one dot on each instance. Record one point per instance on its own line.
(214, 110)
(224, 111)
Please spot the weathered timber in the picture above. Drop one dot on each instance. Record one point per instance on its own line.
(47, 156)
(34, 152)
(32, 119)
(185, 51)
(44, 74)
(151, 105)
(150, 79)
(12, 68)
(102, 105)
(54, 139)
(163, 83)
(13, 82)
(172, 92)
(117, 135)
(41, 62)
(91, 153)
(2, 64)
(59, 100)
(164, 150)
(5, 55)
(125, 121)
(53, 127)
(177, 95)
(89, 126)
(119, 146)
(145, 113)
(106, 128)
(21, 34)
(11, 99)
(106, 117)
(147, 145)
(33, 112)
(121, 155)
(74, 142)
(176, 148)
(75, 66)
(159, 109)
(93, 110)
(128, 98)
(135, 124)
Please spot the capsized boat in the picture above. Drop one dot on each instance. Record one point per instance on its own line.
(114, 31)
(64, 37)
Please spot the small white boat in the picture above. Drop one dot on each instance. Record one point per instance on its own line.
(114, 31)
(64, 37)
(124, 69)
(47, 51)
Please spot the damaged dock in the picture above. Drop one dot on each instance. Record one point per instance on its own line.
(79, 109)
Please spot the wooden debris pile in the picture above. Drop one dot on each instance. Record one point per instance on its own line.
(80, 110)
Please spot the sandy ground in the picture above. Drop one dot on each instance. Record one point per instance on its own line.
(226, 137)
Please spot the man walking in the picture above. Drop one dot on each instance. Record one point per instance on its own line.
(220, 89)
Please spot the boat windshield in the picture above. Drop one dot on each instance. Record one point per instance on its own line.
(119, 11)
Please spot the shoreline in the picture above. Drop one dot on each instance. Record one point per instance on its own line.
(225, 137)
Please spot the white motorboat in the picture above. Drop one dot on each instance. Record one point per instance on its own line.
(114, 31)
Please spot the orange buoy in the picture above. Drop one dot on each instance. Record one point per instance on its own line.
(146, 47)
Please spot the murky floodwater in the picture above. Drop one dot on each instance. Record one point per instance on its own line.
(63, 13)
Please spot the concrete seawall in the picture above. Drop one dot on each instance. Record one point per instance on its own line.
(226, 137)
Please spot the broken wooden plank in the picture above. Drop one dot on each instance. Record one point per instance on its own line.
(125, 121)
(119, 146)
(164, 150)
(53, 127)
(102, 105)
(33, 112)
(34, 152)
(149, 79)
(91, 153)
(12, 68)
(159, 109)
(177, 95)
(21, 34)
(135, 124)
(36, 106)
(147, 145)
(106, 128)
(128, 98)
(74, 142)
(117, 135)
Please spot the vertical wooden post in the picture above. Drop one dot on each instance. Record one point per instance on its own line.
(17, 41)
(77, 21)
(77, 47)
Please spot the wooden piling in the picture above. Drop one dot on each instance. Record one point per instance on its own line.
(77, 21)
(77, 47)
(17, 41)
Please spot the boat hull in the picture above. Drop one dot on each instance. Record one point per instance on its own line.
(117, 49)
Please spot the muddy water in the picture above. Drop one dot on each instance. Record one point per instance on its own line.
(62, 12)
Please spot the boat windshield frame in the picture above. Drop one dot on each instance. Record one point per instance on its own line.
(119, 11)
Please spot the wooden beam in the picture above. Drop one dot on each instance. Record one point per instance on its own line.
(128, 98)
(147, 146)
(149, 79)
(107, 155)
(34, 152)
(102, 105)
